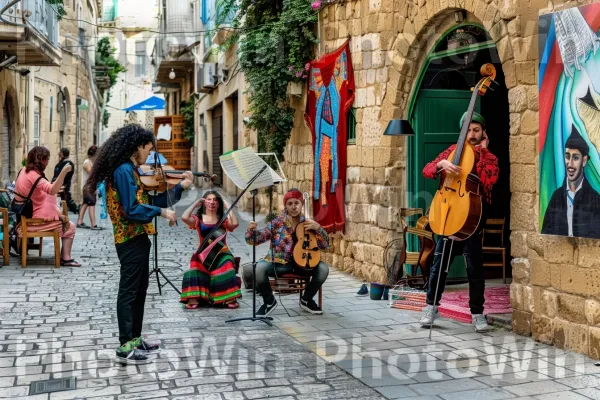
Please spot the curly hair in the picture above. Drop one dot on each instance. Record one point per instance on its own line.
(35, 159)
(220, 208)
(119, 148)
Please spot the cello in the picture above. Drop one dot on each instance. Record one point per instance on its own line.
(455, 211)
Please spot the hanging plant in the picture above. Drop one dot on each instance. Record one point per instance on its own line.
(275, 44)
(59, 7)
(105, 57)
(186, 109)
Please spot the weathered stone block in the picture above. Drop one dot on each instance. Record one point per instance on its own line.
(541, 329)
(523, 178)
(521, 217)
(549, 303)
(367, 157)
(521, 269)
(592, 311)
(353, 156)
(571, 336)
(533, 98)
(526, 72)
(516, 296)
(580, 281)
(521, 322)
(571, 308)
(530, 122)
(523, 149)
(558, 250)
(588, 256)
(366, 175)
(540, 273)
(517, 98)
(525, 48)
(555, 275)
(594, 347)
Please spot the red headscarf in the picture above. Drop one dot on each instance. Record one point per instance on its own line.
(292, 194)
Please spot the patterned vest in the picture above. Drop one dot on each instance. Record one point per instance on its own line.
(123, 229)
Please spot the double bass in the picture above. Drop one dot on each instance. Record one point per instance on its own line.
(455, 211)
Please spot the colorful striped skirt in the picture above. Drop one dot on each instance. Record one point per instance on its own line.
(219, 286)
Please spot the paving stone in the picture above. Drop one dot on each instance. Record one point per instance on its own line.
(488, 394)
(561, 396)
(536, 388)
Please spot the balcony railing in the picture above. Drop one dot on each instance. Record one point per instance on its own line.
(108, 13)
(36, 14)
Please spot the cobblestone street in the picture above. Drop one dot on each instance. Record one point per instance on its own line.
(61, 323)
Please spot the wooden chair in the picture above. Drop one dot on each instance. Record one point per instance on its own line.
(494, 228)
(416, 259)
(27, 235)
(4, 235)
(292, 283)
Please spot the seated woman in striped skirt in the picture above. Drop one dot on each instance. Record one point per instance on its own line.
(216, 284)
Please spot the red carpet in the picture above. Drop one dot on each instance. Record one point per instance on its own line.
(455, 305)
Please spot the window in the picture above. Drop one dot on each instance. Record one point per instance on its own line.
(140, 59)
(36, 122)
(351, 126)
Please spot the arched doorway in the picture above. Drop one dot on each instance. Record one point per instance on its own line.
(6, 140)
(444, 85)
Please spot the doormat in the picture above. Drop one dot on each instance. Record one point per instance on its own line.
(455, 305)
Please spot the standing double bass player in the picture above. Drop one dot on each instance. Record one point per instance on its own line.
(486, 168)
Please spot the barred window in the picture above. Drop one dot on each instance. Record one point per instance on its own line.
(351, 126)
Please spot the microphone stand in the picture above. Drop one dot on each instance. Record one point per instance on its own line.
(156, 270)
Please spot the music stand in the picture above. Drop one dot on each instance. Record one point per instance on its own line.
(156, 270)
(266, 320)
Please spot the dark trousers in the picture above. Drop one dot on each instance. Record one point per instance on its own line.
(265, 269)
(471, 250)
(134, 256)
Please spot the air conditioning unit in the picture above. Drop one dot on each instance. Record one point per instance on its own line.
(209, 73)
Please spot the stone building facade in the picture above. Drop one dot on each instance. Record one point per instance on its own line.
(555, 288)
(54, 106)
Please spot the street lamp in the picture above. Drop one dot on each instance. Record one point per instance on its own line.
(399, 127)
(172, 74)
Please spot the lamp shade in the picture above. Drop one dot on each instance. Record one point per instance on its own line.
(399, 127)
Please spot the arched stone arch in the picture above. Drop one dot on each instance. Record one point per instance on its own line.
(10, 113)
(421, 30)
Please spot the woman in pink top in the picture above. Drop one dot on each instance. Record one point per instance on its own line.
(44, 201)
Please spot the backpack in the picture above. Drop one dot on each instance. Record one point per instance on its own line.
(16, 210)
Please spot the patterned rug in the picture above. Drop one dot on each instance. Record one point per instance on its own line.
(455, 305)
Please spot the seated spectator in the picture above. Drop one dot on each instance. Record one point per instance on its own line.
(44, 201)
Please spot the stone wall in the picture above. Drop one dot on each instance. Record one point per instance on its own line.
(556, 281)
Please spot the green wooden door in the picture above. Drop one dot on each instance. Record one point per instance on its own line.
(436, 124)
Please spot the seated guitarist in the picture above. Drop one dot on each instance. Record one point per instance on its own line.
(486, 168)
(279, 260)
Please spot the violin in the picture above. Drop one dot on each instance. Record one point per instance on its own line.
(456, 207)
(165, 177)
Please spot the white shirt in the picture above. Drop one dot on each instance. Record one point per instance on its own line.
(85, 175)
(570, 200)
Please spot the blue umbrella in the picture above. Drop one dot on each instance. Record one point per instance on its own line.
(151, 103)
(161, 159)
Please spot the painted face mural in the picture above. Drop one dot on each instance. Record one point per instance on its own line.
(569, 131)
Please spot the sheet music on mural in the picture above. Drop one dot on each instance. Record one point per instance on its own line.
(242, 165)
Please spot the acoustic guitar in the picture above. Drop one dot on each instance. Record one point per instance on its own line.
(456, 208)
(306, 253)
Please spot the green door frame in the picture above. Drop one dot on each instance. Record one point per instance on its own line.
(412, 143)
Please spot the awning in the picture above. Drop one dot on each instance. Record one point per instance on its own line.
(152, 103)
(151, 160)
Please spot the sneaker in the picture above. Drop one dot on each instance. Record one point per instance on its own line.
(430, 314)
(128, 354)
(147, 347)
(363, 291)
(480, 323)
(265, 309)
(310, 306)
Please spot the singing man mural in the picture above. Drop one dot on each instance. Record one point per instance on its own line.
(570, 122)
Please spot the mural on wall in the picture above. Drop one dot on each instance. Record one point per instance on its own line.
(330, 96)
(569, 112)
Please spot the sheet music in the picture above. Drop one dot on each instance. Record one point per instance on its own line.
(242, 165)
